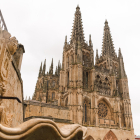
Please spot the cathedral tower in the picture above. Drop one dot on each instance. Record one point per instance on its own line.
(94, 95)
(77, 69)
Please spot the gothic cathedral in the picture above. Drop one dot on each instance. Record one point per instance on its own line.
(92, 94)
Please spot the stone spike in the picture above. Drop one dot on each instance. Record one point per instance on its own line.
(52, 63)
(90, 42)
(120, 54)
(122, 73)
(77, 30)
(108, 48)
(40, 70)
(97, 57)
(51, 68)
(59, 67)
(97, 53)
(44, 67)
(66, 39)
(56, 71)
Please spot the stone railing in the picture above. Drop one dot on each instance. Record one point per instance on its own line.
(50, 118)
(37, 103)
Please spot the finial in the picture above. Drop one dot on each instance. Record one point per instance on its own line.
(90, 37)
(90, 43)
(96, 52)
(120, 54)
(106, 22)
(78, 7)
(52, 62)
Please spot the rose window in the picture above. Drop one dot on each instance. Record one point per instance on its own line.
(102, 110)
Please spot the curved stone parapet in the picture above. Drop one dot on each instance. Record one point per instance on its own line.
(40, 129)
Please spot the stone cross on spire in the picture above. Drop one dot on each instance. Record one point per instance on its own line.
(108, 48)
(77, 31)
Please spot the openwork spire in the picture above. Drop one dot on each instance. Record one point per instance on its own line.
(108, 48)
(77, 31)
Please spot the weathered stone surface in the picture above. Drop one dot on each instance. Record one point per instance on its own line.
(97, 95)
(41, 129)
(11, 111)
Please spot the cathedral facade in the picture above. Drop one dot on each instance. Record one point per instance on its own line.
(92, 94)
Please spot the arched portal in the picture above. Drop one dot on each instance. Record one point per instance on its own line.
(110, 136)
(89, 138)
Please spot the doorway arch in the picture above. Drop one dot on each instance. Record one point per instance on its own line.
(110, 136)
(89, 138)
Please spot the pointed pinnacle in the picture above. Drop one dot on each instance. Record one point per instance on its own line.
(120, 54)
(90, 37)
(40, 70)
(78, 7)
(106, 22)
(52, 63)
(97, 52)
(90, 42)
(41, 67)
(65, 39)
(44, 67)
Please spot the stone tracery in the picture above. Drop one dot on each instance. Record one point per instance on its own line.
(102, 110)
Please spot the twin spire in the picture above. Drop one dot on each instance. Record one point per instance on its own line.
(77, 31)
(108, 46)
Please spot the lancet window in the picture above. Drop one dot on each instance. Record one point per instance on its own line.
(66, 102)
(53, 83)
(68, 79)
(86, 79)
(85, 113)
(53, 95)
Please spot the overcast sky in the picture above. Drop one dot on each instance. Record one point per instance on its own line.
(41, 26)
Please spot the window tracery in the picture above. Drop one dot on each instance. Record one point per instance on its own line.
(102, 110)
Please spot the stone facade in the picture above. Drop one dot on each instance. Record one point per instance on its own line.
(11, 87)
(96, 94)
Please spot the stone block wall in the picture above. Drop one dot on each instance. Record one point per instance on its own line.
(11, 87)
(35, 108)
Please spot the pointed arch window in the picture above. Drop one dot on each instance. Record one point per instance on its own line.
(68, 79)
(85, 113)
(53, 83)
(53, 95)
(86, 79)
(66, 102)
